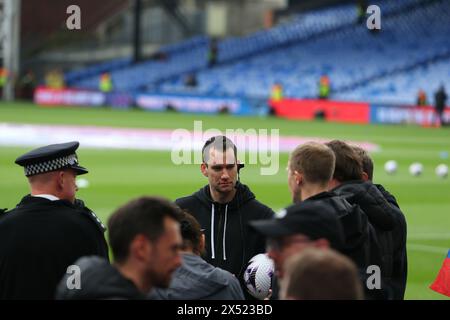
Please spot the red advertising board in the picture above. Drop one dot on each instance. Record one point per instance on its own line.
(308, 109)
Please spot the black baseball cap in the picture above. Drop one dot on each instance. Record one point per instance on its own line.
(310, 218)
(51, 158)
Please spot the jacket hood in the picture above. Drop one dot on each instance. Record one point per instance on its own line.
(99, 280)
(350, 215)
(242, 196)
(372, 202)
(195, 279)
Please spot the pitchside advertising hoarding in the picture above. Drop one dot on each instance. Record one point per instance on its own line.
(155, 102)
(356, 112)
(68, 97)
(301, 109)
(78, 97)
(335, 111)
(394, 114)
(193, 103)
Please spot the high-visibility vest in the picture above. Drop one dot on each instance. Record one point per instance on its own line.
(54, 80)
(324, 86)
(277, 93)
(3, 77)
(422, 101)
(105, 83)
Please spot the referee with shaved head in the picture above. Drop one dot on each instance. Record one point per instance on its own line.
(49, 229)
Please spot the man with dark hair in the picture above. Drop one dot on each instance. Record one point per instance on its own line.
(348, 165)
(310, 170)
(224, 207)
(367, 163)
(145, 240)
(49, 229)
(400, 260)
(196, 279)
(386, 220)
(321, 275)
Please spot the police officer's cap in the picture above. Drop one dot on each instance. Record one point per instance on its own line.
(51, 158)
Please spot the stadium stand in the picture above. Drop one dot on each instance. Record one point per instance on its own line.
(296, 53)
(351, 64)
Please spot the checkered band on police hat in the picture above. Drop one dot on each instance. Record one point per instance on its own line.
(50, 165)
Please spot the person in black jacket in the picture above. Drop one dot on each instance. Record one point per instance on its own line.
(49, 229)
(224, 207)
(145, 240)
(440, 97)
(399, 260)
(348, 182)
(310, 170)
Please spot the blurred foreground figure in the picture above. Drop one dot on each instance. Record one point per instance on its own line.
(196, 279)
(145, 240)
(321, 275)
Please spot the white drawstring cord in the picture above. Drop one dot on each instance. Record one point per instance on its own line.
(213, 255)
(224, 233)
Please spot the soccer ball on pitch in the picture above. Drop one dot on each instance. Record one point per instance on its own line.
(390, 166)
(416, 169)
(258, 276)
(442, 171)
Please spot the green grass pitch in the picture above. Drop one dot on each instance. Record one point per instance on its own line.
(119, 175)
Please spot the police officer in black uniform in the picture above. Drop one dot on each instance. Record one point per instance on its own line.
(49, 229)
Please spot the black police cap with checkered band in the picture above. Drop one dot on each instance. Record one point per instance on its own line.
(51, 158)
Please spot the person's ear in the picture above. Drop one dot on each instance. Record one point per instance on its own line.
(60, 180)
(202, 243)
(365, 176)
(204, 169)
(298, 177)
(333, 183)
(322, 243)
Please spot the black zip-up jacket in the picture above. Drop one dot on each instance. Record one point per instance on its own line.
(390, 226)
(230, 243)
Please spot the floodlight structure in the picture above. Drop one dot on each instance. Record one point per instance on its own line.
(9, 49)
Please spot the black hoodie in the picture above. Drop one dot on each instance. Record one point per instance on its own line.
(230, 244)
(99, 280)
(390, 227)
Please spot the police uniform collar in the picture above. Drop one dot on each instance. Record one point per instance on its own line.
(46, 196)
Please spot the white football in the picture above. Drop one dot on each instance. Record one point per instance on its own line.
(416, 169)
(82, 183)
(258, 276)
(442, 171)
(390, 166)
